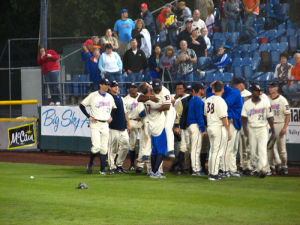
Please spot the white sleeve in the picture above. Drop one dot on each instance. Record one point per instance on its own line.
(166, 96)
(87, 100)
(221, 108)
(244, 111)
(269, 109)
(124, 105)
(286, 106)
(113, 104)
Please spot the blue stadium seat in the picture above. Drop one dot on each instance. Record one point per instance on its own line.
(255, 54)
(291, 60)
(247, 61)
(257, 75)
(275, 57)
(227, 77)
(245, 54)
(269, 76)
(237, 61)
(281, 26)
(283, 46)
(264, 47)
(254, 47)
(285, 8)
(293, 43)
(255, 63)
(236, 54)
(274, 46)
(238, 71)
(209, 77)
(290, 31)
(283, 39)
(247, 71)
(244, 47)
(271, 34)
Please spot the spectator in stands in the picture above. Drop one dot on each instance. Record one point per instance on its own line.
(221, 60)
(202, 5)
(135, 62)
(142, 35)
(232, 12)
(283, 71)
(293, 88)
(197, 43)
(186, 11)
(47, 59)
(185, 34)
(197, 22)
(94, 71)
(87, 53)
(148, 20)
(210, 20)
(154, 62)
(204, 33)
(95, 40)
(109, 39)
(171, 26)
(251, 8)
(224, 27)
(122, 31)
(111, 64)
(160, 21)
(185, 59)
(167, 62)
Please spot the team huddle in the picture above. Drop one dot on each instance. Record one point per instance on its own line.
(195, 122)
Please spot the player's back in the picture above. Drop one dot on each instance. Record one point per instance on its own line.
(215, 109)
(280, 108)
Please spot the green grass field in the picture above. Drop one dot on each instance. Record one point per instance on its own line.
(51, 198)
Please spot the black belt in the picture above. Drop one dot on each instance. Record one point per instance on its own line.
(102, 121)
(133, 119)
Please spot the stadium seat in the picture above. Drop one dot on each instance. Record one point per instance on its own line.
(269, 76)
(275, 57)
(238, 71)
(209, 77)
(255, 63)
(257, 75)
(236, 54)
(247, 71)
(283, 46)
(290, 31)
(274, 46)
(293, 42)
(281, 27)
(227, 77)
(255, 54)
(264, 47)
(247, 61)
(254, 47)
(245, 54)
(244, 47)
(283, 39)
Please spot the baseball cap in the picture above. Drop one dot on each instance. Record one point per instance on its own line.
(88, 42)
(144, 5)
(195, 28)
(246, 93)
(114, 83)
(255, 87)
(104, 81)
(133, 85)
(274, 83)
(188, 87)
(197, 86)
(123, 11)
(189, 20)
(156, 84)
(238, 80)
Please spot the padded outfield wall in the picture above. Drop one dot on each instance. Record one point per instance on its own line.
(65, 128)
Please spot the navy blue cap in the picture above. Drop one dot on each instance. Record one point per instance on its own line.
(114, 83)
(156, 84)
(104, 81)
(255, 87)
(133, 85)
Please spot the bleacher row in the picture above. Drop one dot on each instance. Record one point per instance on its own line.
(246, 58)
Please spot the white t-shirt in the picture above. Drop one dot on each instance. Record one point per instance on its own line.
(110, 63)
(257, 113)
(200, 24)
(131, 105)
(100, 105)
(164, 97)
(207, 41)
(280, 108)
(215, 109)
(154, 119)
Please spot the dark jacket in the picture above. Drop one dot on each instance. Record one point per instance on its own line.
(199, 49)
(134, 62)
(183, 35)
(183, 122)
(149, 22)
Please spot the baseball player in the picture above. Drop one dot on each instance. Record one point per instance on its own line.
(131, 105)
(118, 131)
(234, 101)
(243, 146)
(101, 104)
(281, 112)
(155, 127)
(196, 127)
(256, 115)
(215, 110)
(164, 97)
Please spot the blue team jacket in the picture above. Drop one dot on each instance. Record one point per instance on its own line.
(234, 101)
(196, 113)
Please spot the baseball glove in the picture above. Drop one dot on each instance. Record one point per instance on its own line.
(82, 186)
(271, 142)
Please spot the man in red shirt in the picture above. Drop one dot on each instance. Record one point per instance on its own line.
(293, 89)
(47, 59)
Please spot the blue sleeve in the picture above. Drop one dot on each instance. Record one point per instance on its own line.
(209, 92)
(142, 114)
(200, 112)
(116, 26)
(132, 24)
(84, 56)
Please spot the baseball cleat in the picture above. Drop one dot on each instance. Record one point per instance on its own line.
(198, 173)
(269, 173)
(285, 171)
(153, 175)
(120, 170)
(111, 172)
(161, 176)
(171, 154)
(89, 169)
(139, 170)
(234, 174)
(213, 177)
(132, 168)
(261, 174)
(102, 173)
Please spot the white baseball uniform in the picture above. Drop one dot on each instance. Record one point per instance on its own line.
(215, 109)
(101, 106)
(257, 115)
(131, 105)
(280, 108)
(165, 98)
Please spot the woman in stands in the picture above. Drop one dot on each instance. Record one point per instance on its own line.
(167, 63)
(283, 71)
(109, 39)
(142, 35)
(154, 62)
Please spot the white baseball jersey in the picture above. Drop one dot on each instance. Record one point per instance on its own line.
(280, 108)
(215, 109)
(257, 113)
(154, 118)
(131, 105)
(101, 105)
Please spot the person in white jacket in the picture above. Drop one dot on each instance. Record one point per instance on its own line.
(142, 35)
